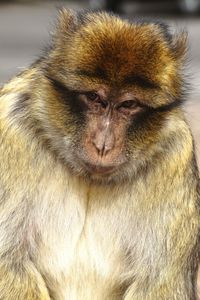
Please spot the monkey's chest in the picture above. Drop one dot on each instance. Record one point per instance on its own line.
(97, 264)
(90, 266)
(84, 254)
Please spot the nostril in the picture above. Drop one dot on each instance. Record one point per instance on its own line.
(99, 146)
(107, 148)
(103, 141)
(102, 148)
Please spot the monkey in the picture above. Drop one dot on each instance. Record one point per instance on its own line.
(99, 188)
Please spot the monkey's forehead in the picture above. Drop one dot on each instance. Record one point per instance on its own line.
(113, 49)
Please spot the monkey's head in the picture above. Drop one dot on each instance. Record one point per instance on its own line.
(113, 86)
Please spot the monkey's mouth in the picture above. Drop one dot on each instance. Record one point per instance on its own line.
(99, 169)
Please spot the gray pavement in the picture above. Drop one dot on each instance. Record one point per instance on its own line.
(24, 31)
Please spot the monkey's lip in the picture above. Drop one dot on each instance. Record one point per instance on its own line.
(99, 169)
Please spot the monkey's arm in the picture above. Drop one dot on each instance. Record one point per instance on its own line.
(173, 275)
(19, 278)
(21, 282)
(174, 288)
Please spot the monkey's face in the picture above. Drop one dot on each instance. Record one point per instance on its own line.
(102, 148)
(95, 126)
(114, 84)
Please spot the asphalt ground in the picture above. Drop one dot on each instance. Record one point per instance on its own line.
(24, 32)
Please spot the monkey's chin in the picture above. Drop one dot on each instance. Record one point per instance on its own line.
(103, 174)
(99, 170)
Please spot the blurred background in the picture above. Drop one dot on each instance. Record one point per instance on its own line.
(25, 27)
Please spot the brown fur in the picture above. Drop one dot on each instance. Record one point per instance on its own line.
(68, 231)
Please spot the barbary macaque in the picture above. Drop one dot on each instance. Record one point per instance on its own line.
(99, 188)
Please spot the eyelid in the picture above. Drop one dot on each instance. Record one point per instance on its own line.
(87, 94)
(90, 94)
(131, 102)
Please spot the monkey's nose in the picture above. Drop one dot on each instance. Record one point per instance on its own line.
(103, 143)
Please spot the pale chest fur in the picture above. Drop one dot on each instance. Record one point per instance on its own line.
(80, 246)
(94, 240)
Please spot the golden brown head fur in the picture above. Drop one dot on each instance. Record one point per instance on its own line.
(101, 52)
(107, 50)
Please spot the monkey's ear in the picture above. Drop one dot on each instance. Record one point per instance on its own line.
(177, 41)
(180, 46)
(66, 24)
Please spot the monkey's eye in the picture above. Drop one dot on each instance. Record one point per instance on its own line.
(128, 104)
(94, 101)
(92, 96)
